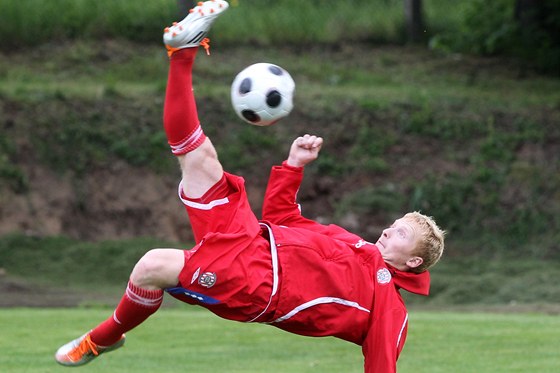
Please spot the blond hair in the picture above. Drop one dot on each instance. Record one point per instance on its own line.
(430, 245)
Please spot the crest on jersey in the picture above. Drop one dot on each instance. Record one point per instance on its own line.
(383, 276)
(207, 279)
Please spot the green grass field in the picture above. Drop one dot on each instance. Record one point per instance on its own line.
(190, 339)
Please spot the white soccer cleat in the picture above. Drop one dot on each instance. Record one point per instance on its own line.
(192, 30)
(82, 350)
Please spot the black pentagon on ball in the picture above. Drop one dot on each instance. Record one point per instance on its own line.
(275, 70)
(273, 98)
(251, 116)
(245, 86)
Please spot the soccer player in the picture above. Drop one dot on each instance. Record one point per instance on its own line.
(285, 270)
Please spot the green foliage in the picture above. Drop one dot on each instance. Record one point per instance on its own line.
(480, 27)
(487, 144)
(78, 134)
(62, 261)
(494, 28)
(483, 280)
(11, 176)
(488, 27)
(491, 281)
(71, 19)
(329, 164)
(462, 139)
(429, 120)
(486, 195)
(368, 148)
(246, 146)
(370, 199)
(262, 22)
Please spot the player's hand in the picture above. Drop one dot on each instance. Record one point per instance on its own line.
(304, 150)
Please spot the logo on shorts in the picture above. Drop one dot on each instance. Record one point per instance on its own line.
(195, 275)
(207, 279)
(383, 276)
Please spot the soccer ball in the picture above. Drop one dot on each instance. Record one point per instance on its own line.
(262, 94)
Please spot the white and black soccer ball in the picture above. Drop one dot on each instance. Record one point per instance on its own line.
(262, 94)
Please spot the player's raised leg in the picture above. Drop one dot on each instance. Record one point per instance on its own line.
(202, 173)
(196, 154)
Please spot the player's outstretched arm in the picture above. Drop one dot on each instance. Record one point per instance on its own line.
(304, 149)
(280, 205)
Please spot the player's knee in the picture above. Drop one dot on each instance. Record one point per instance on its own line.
(200, 158)
(157, 268)
(208, 150)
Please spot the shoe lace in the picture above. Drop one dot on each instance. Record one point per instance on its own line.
(86, 346)
(205, 43)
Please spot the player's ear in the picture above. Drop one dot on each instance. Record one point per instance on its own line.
(414, 262)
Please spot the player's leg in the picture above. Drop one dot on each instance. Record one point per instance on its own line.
(203, 179)
(201, 169)
(156, 270)
(197, 156)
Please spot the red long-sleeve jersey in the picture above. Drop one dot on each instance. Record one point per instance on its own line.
(294, 273)
(334, 282)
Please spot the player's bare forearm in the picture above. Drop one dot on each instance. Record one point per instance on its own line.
(304, 149)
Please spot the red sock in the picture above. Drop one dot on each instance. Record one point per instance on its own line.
(136, 306)
(180, 117)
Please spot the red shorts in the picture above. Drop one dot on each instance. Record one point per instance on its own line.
(295, 279)
(230, 271)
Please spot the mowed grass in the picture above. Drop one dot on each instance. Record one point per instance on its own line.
(190, 339)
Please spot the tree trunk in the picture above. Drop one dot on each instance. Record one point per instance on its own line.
(414, 20)
(529, 13)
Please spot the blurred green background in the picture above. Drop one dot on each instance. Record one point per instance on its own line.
(451, 108)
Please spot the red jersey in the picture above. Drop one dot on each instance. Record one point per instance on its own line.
(294, 273)
(367, 308)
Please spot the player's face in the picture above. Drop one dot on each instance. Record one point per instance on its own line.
(397, 243)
